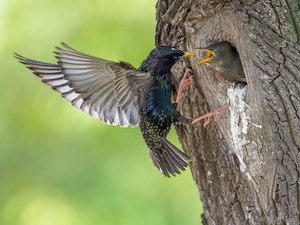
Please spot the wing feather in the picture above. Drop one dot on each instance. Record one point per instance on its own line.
(104, 89)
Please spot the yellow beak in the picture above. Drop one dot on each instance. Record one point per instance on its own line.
(209, 56)
(188, 54)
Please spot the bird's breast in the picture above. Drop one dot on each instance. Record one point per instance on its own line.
(158, 107)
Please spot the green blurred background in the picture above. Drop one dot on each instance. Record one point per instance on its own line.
(58, 165)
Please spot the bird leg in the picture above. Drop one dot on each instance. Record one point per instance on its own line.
(210, 115)
(185, 81)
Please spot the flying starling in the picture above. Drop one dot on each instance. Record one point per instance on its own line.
(119, 94)
(224, 58)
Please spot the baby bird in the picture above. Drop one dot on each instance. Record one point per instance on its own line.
(224, 58)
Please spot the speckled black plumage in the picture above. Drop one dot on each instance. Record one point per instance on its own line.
(118, 94)
(158, 113)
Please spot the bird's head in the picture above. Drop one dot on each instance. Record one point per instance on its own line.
(162, 58)
(216, 53)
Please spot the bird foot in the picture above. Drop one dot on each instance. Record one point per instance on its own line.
(210, 115)
(185, 81)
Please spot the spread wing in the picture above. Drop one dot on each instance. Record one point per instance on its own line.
(104, 89)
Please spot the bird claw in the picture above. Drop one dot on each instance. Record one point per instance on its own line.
(185, 81)
(207, 122)
(210, 115)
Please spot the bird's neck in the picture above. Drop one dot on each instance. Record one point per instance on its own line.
(156, 69)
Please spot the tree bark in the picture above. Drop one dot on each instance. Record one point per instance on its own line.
(246, 163)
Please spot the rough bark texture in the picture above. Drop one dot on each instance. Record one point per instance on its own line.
(246, 163)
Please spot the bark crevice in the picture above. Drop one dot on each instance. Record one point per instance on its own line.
(246, 163)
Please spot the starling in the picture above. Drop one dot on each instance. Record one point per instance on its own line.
(119, 94)
(224, 58)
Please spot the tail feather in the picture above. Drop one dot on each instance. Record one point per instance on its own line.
(169, 160)
(175, 150)
(177, 160)
(158, 162)
(166, 164)
(175, 168)
(178, 163)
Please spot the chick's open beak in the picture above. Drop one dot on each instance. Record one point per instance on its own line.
(208, 57)
(188, 54)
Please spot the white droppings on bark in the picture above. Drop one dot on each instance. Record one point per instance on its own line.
(256, 125)
(238, 122)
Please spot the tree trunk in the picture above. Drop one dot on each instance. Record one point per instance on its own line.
(246, 163)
